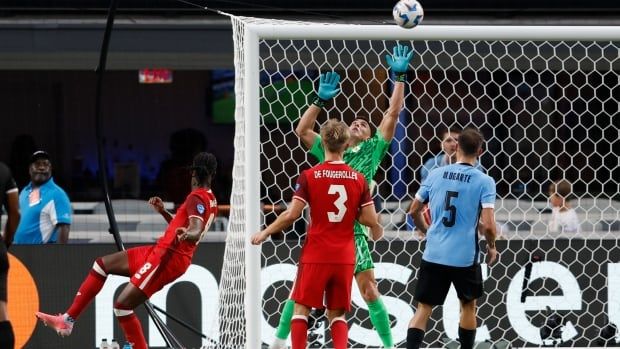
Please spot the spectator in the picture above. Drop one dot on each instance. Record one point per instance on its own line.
(45, 207)
(8, 200)
(563, 216)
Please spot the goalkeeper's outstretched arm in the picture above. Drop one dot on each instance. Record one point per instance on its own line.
(305, 128)
(398, 62)
(387, 127)
(328, 88)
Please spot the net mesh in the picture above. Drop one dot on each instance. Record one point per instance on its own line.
(548, 112)
(231, 321)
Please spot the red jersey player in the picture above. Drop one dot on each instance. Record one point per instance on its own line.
(337, 195)
(149, 267)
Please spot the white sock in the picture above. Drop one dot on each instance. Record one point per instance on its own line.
(278, 343)
(67, 318)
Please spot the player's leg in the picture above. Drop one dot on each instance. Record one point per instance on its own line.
(417, 325)
(308, 291)
(7, 337)
(467, 324)
(432, 288)
(160, 267)
(338, 327)
(468, 285)
(130, 298)
(284, 326)
(299, 326)
(365, 278)
(116, 263)
(338, 301)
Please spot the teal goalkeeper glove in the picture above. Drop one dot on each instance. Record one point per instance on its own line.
(399, 61)
(328, 88)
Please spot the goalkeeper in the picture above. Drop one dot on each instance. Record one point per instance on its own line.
(364, 154)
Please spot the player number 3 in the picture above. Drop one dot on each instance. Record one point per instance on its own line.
(338, 189)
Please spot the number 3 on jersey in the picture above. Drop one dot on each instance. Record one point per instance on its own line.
(338, 189)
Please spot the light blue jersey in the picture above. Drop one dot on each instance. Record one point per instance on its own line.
(456, 194)
(42, 209)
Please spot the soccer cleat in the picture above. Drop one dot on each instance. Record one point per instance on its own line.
(62, 327)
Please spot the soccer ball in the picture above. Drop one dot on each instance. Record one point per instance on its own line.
(408, 13)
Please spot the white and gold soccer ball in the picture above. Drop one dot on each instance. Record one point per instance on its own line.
(408, 13)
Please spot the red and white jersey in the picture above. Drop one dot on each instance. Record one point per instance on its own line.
(335, 193)
(200, 203)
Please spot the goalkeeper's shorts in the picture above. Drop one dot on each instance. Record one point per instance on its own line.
(363, 258)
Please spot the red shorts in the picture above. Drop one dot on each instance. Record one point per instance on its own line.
(320, 282)
(151, 267)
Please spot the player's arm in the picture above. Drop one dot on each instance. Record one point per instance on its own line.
(283, 221)
(489, 229)
(328, 88)
(416, 212)
(194, 230)
(13, 217)
(368, 216)
(487, 219)
(305, 128)
(63, 232)
(398, 62)
(158, 205)
(63, 216)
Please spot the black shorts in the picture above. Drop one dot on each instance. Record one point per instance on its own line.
(4, 270)
(434, 282)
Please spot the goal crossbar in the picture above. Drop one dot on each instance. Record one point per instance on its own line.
(302, 30)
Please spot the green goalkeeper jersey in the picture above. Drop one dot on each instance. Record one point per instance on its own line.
(364, 157)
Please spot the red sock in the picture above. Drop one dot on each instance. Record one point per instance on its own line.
(131, 328)
(299, 331)
(340, 333)
(88, 290)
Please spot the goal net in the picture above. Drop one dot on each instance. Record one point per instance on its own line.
(546, 100)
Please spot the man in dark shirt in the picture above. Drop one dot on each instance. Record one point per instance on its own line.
(8, 200)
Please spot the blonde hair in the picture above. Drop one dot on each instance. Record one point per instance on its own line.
(335, 135)
(562, 188)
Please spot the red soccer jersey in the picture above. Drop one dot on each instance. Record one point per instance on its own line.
(199, 203)
(335, 193)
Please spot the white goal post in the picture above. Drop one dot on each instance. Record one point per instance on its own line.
(261, 45)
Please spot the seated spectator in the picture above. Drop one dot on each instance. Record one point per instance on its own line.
(563, 216)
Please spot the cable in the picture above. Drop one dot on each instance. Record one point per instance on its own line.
(271, 8)
(168, 336)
